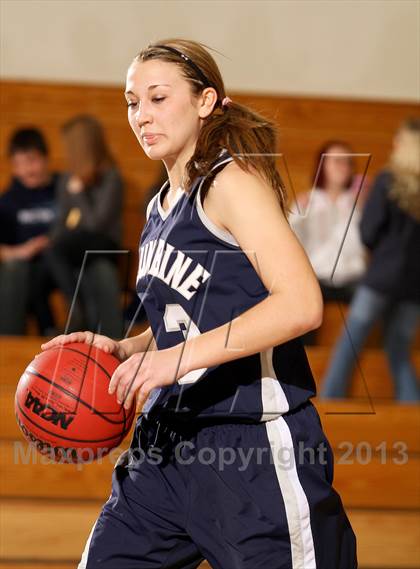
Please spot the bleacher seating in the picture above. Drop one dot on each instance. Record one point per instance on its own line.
(47, 510)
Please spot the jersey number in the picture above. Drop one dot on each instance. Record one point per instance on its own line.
(174, 316)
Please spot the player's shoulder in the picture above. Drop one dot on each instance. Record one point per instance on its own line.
(238, 193)
(236, 180)
(237, 168)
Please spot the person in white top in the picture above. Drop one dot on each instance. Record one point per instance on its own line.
(326, 219)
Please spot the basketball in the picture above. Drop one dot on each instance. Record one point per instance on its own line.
(63, 407)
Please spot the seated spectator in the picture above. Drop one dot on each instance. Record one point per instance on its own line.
(390, 289)
(326, 222)
(87, 231)
(27, 210)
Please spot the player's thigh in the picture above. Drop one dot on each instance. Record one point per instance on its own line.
(272, 502)
(238, 517)
(141, 524)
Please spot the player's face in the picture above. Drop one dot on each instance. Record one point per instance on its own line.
(30, 168)
(161, 109)
(338, 169)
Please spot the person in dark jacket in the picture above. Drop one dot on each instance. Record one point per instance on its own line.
(27, 211)
(390, 288)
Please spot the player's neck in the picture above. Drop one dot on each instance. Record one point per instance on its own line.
(176, 168)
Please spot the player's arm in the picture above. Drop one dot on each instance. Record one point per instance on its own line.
(141, 343)
(122, 349)
(248, 208)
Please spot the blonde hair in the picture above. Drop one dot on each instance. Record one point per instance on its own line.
(404, 164)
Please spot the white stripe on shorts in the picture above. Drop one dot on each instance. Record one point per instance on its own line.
(295, 501)
(83, 561)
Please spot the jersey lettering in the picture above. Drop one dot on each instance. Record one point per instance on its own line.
(155, 260)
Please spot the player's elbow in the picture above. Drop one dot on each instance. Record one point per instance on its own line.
(316, 320)
(309, 321)
(311, 313)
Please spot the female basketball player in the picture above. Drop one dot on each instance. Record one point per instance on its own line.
(228, 460)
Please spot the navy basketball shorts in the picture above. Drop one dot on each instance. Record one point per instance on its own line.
(242, 496)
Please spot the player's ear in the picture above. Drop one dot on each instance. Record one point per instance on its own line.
(207, 101)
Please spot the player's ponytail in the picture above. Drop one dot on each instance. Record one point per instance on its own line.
(250, 138)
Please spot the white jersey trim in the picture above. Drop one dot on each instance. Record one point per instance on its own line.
(151, 202)
(273, 399)
(206, 221)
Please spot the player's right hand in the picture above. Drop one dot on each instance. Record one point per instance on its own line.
(104, 343)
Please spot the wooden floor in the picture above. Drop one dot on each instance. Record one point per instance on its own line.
(47, 510)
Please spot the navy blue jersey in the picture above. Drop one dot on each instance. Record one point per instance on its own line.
(194, 277)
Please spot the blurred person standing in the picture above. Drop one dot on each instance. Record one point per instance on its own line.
(390, 289)
(89, 218)
(27, 211)
(320, 218)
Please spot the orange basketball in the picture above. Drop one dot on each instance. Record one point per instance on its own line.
(63, 407)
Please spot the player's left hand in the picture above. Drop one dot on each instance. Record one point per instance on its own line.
(145, 371)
